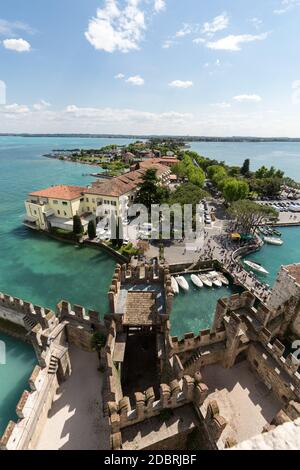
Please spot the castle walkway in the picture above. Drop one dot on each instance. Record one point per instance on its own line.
(75, 421)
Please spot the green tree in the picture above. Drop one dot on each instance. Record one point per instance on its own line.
(217, 174)
(77, 225)
(245, 170)
(92, 230)
(248, 215)
(235, 190)
(149, 190)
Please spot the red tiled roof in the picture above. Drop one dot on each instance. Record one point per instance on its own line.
(121, 185)
(64, 192)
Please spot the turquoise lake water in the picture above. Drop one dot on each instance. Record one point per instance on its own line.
(273, 257)
(194, 310)
(44, 271)
(20, 360)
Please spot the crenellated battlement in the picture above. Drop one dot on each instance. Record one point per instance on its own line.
(127, 275)
(191, 341)
(66, 311)
(289, 364)
(19, 435)
(145, 405)
(25, 313)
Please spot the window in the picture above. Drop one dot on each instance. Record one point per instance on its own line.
(65, 213)
(55, 202)
(87, 199)
(93, 200)
(113, 203)
(88, 209)
(58, 212)
(34, 212)
(82, 199)
(64, 203)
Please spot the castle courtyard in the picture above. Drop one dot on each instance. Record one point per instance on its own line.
(75, 421)
(244, 401)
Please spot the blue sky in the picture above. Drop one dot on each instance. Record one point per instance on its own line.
(218, 67)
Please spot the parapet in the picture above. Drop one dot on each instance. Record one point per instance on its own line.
(78, 314)
(17, 435)
(191, 341)
(29, 314)
(145, 405)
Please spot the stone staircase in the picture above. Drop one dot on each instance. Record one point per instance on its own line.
(53, 365)
(29, 323)
(192, 359)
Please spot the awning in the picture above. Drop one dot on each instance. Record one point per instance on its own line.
(235, 236)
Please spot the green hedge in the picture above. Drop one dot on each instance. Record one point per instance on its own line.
(65, 234)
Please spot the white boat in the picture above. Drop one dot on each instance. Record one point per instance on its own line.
(205, 280)
(273, 241)
(182, 282)
(175, 287)
(256, 267)
(195, 280)
(223, 279)
(213, 275)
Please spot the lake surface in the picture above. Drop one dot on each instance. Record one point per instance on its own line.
(14, 375)
(273, 257)
(283, 155)
(193, 311)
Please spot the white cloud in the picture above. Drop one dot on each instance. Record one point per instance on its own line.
(222, 105)
(159, 5)
(286, 5)
(233, 43)
(249, 98)
(42, 104)
(18, 45)
(15, 109)
(119, 76)
(199, 41)
(115, 29)
(136, 80)
(10, 28)
(186, 30)
(168, 44)
(181, 84)
(256, 22)
(219, 23)
(296, 92)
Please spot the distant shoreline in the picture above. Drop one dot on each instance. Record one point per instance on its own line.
(233, 139)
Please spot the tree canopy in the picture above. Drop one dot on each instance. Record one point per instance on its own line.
(248, 215)
(150, 192)
(235, 189)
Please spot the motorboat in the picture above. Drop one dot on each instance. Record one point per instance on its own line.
(174, 285)
(277, 233)
(213, 275)
(205, 280)
(273, 241)
(223, 279)
(182, 282)
(256, 267)
(196, 280)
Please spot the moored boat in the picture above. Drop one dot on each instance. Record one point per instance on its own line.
(174, 285)
(256, 267)
(182, 282)
(273, 241)
(223, 279)
(213, 275)
(197, 281)
(205, 280)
